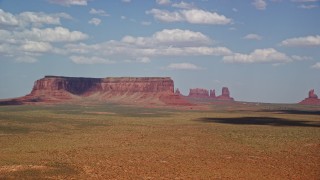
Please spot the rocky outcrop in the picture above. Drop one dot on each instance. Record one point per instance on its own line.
(119, 89)
(177, 92)
(199, 93)
(211, 94)
(312, 99)
(225, 96)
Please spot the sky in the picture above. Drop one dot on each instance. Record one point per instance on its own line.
(263, 50)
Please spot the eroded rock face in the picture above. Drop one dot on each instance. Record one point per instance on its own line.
(199, 93)
(312, 94)
(211, 94)
(124, 89)
(225, 96)
(312, 99)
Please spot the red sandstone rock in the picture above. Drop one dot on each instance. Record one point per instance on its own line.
(199, 93)
(212, 93)
(225, 96)
(177, 92)
(119, 89)
(312, 94)
(312, 99)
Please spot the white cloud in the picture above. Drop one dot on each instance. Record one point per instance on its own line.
(33, 46)
(173, 36)
(182, 66)
(173, 42)
(163, 2)
(126, 1)
(258, 56)
(8, 19)
(90, 60)
(301, 58)
(31, 18)
(316, 66)
(302, 41)
(70, 2)
(166, 16)
(57, 34)
(303, 6)
(183, 5)
(99, 12)
(197, 16)
(252, 37)
(95, 21)
(259, 4)
(193, 16)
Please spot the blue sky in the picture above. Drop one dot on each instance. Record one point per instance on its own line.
(263, 50)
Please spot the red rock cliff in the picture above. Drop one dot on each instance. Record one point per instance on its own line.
(199, 93)
(128, 89)
(87, 86)
(312, 99)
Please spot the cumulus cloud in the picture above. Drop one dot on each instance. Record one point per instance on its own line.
(259, 4)
(99, 12)
(34, 46)
(182, 66)
(31, 19)
(183, 5)
(95, 21)
(89, 60)
(252, 37)
(168, 42)
(70, 2)
(316, 66)
(57, 34)
(193, 16)
(302, 41)
(258, 56)
(23, 39)
(163, 2)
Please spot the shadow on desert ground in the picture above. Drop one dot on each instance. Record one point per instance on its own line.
(260, 121)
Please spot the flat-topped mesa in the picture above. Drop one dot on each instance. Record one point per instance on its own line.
(199, 93)
(312, 99)
(225, 96)
(55, 89)
(87, 86)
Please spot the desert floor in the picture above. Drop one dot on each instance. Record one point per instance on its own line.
(108, 141)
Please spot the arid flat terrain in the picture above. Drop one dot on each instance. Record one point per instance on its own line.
(108, 141)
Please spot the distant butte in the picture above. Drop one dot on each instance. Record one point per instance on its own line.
(211, 94)
(132, 90)
(312, 99)
(127, 90)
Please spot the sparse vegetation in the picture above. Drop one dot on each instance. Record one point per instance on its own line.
(111, 141)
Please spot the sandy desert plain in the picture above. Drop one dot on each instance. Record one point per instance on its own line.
(110, 141)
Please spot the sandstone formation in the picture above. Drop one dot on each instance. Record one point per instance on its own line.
(312, 99)
(225, 96)
(177, 92)
(150, 90)
(204, 94)
(199, 93)
(212, 93)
